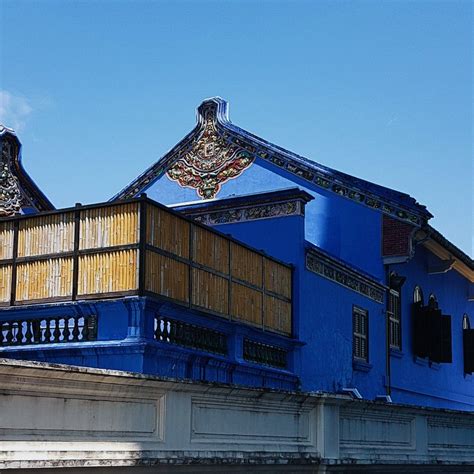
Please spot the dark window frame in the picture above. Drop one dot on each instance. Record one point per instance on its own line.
(432, 332)
(360, 351)
(394, 311)
(395, 318)
(467, 345)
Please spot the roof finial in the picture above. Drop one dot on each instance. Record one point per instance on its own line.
(215, 109)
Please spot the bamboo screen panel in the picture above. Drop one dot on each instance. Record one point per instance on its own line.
(109, 226)
(167, 277)
(5, 283)
(277, 315)
(43, 279)
(211, 250)
(246, 304)
(43, 235)
(6, 240)
(277, 278)
(210, 291)
(246, 265)
(111, 251)
(108, 272)
(167, 231)
(226, 278)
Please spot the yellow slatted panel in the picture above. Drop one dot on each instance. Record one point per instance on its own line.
(277, 315)
(167, 277)
(108, 272)
(167, 231)
(210, 291)
(109, 226)
(6, 240)
(211, 250)
(246, 265)
(44, 279)
(277, 278)
(5, 283)
(246, 304)
(46, 234)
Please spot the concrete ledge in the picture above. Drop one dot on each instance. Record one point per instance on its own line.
(60, 417)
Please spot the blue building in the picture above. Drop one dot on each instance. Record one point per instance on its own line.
(275, 271)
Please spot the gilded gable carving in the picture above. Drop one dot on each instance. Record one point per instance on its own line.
(210, 161)
(11, 198)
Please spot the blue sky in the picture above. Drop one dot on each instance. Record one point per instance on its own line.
(98, 90)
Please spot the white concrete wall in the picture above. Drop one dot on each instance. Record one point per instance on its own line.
(54, 416)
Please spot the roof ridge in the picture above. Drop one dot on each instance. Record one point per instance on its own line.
(389, 201)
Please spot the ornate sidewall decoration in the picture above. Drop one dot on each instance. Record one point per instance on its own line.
(332, 270)
(11, 197)
(210, 161)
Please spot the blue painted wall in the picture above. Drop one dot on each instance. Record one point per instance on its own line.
(322, 313)
(320, 357)
(125, 341)
(341, 227)
(417, 380)
(323, 322)
(326, 327)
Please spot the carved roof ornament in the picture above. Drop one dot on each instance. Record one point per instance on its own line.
(17, 189)
(11, 197)
(211, 160)
(216, 150)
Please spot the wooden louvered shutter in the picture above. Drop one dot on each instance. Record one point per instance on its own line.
(435, 328)
(468, 343)
(446, 340)
(421, 330)
(441, 344)
(360, 333)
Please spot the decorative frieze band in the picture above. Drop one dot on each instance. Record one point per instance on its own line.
(263, 211)
(323, 266)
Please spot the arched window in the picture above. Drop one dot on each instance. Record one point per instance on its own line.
(418, 295)
(466, 324)
(432, 302)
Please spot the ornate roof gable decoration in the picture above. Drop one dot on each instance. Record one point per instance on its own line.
(215, 128)
(211, 160)
(17, 189)
(11, 197)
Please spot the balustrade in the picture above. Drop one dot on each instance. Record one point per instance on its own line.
(264, 354)
(191, 336)
(48, 330)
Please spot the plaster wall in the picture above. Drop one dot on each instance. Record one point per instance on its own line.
(419, 380)
(322, 313)
(58, 417)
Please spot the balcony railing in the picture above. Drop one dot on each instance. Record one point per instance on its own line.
(190, 336)
(48, 330)
(139, 247)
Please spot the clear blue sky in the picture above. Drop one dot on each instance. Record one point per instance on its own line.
(99, 90)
